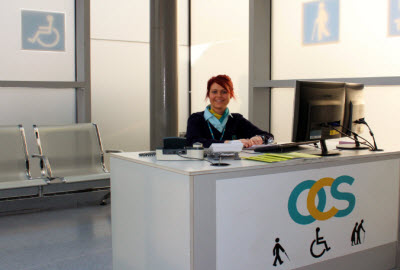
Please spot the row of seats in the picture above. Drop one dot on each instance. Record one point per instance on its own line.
(71, 158)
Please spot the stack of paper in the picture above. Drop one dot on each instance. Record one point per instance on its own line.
(280, 157)
(232, 146)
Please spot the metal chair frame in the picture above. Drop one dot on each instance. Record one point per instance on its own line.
(46, 169)
(23, 187)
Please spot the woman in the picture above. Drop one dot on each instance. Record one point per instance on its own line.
(217, 125)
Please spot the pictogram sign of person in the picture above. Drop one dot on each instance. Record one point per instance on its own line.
(397, 21)
(318, 241)
(353, 235)
(360, 227)
(275, 252)
(320, 24)
(356, 234)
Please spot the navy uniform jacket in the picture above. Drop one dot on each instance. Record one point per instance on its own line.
(236, 128)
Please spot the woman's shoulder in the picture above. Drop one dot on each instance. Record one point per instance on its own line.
(196, 116)
(239, 118)
(237, 115)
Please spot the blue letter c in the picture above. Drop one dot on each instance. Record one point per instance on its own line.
(292, 203)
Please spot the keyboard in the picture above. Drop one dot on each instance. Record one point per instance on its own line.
(282, 147)
(147, 154)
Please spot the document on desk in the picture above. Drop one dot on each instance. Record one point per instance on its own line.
(257, 146)
(269, 145)
(232, 146)
(280, 157)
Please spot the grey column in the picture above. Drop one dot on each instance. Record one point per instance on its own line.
(260, 63)
(163, 71)
(82, 43)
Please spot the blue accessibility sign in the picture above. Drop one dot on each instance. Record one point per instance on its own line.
(321, 22)
(394, 18)
(44, 31)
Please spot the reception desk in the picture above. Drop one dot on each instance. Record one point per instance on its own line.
(338, 212)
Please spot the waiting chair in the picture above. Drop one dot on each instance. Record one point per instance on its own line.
(72, 155)
(15, 176)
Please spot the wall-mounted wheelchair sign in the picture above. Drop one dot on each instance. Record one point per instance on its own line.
(44, 31)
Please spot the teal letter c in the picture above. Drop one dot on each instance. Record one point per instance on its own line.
(292, 203)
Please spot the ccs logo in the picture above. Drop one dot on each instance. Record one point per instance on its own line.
(316, 188)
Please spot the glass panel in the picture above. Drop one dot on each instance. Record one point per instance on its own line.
(364, 47)
(38, 40)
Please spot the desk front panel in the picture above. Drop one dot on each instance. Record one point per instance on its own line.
(151, 223)
(300, 218)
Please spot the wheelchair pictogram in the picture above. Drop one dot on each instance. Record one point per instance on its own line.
(315, 251)
(46, 31)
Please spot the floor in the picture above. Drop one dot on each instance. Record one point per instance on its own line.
(78, 239)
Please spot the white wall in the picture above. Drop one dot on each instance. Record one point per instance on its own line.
(364, 49)
(382, 112)
(282, 108)
(33, 65)
(220, 45)
(120, 65)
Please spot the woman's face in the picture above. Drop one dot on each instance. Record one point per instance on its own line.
(219, 98)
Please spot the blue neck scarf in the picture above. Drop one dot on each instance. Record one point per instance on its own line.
(218, 124)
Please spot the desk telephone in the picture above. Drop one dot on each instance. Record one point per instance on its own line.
(175, 149)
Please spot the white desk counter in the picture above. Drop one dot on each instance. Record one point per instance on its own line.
(298, 214)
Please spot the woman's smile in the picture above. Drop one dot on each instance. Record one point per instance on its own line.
(219, 98)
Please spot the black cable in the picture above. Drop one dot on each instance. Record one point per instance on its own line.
(362, 121)
(355, 134)
(367, 143)
(180, 155)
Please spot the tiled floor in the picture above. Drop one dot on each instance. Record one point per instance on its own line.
(73, 239)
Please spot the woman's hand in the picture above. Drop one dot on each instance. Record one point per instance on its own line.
(250, 142)
(246, 143)
(256, 140)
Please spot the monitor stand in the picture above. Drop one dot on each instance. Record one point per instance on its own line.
(324, 150)
(221, 164)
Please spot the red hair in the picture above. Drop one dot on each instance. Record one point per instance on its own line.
(224, 81)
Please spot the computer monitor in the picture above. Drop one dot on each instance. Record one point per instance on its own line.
(354, 110)
(318, 112)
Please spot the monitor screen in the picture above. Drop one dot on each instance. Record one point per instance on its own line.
(318, 106)
(354, 108)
